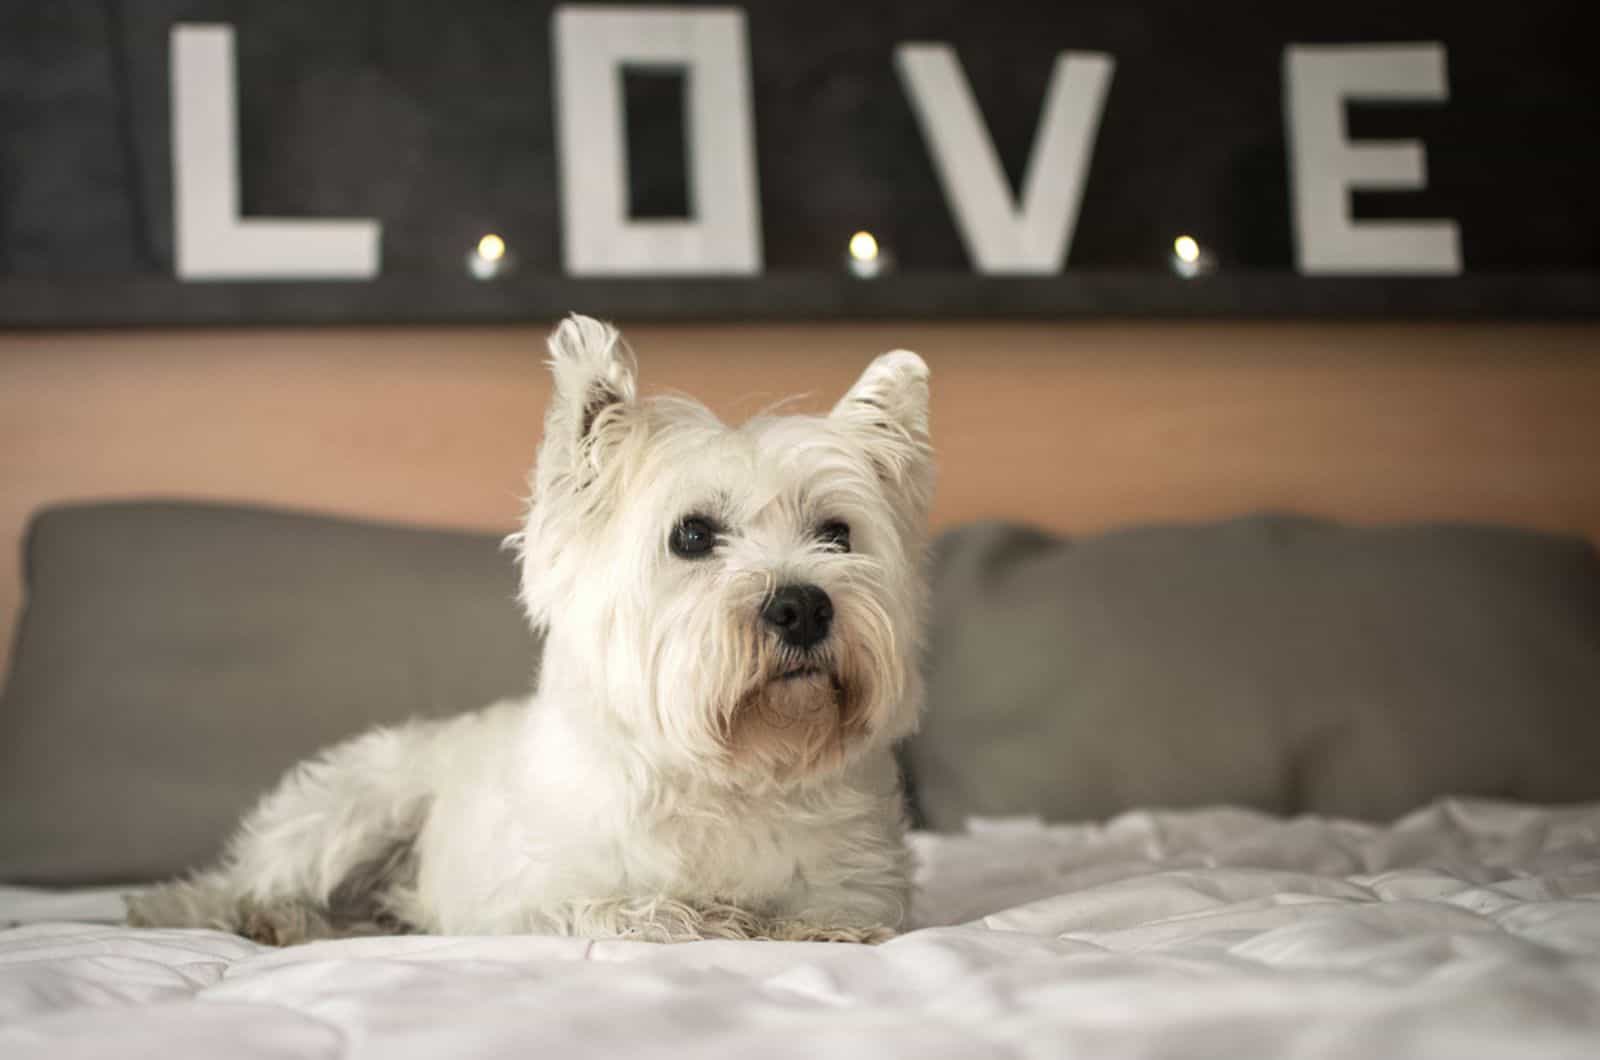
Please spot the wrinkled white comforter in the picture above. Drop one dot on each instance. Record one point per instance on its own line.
(1469, 929)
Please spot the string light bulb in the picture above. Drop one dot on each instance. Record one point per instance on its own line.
(1190, 259)
(490, 257)
(491, 247)
(864, 246)
(865, 257)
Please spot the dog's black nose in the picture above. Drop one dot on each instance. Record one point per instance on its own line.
(800, 613)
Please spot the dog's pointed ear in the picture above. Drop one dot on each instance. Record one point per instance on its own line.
(595, 395)
(887, 409)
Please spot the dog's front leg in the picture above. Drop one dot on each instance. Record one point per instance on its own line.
(868, 908)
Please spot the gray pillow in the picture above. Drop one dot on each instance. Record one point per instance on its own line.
(1282, 663)
(174, 659)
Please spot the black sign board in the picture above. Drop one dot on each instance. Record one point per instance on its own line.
(205, 161)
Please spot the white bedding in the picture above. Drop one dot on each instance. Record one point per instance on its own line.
(1469, 929)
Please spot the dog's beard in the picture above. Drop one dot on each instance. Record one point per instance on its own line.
(800, 716)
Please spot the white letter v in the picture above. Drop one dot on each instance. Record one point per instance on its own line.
(1000, 237)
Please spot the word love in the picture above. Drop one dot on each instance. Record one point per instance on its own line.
(1003, 232)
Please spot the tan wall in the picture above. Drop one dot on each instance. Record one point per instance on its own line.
(1078, 427)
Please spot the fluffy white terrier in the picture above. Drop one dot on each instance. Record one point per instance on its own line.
(732, 622)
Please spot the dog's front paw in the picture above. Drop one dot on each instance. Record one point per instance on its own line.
(282, 923)
(806, 931)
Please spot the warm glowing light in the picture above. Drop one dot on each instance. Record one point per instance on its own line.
(1187, 249)
(491, 247)
(863, 247)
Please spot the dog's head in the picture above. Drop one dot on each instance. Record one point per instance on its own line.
(744, 602)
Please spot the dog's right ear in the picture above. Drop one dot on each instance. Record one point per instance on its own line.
(592, 412)
(595, 396)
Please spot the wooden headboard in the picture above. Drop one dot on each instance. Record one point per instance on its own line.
(1077, 427)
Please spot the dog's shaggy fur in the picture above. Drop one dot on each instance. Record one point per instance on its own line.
(688, 767)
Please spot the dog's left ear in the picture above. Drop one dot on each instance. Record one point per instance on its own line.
(887, 409)
(594, 395)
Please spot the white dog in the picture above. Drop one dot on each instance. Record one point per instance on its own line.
(732, 622)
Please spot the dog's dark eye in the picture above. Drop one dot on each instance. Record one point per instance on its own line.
(835, 534)
(693, 538)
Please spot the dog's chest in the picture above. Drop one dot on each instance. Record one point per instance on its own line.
(749, 854)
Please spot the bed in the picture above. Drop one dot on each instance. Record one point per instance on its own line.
(1467, 929)
(1378, 833)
